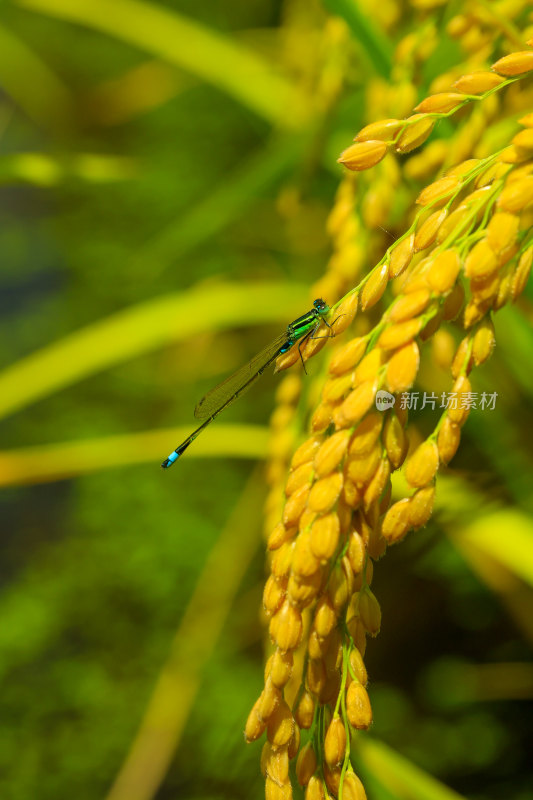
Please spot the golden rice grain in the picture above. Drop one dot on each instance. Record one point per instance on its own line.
(353, 496)
(340, 586)
(524, 141)
(331, 453)
(504, 287)
(421, 506)
(269, 700)
(370, 611)
(440, 103)
(527, 120)
(463, 167)
(366, 434)
(357, 666)
(395, 441)
(315, 789)
(478, 82)
(352, 788)
(280, 535)
(357, 632)
(348, 356)
(502, 231)
(304, 563)
(400, 334)
(401, 255)
(514, 64)
(295, 505)
(307, 519)
(356, 552)
(302, 591)
(336, 388)
(410, 305)
(451, 222)
(448, 440)
(281, 668)
(402, 368)
(360, 469)
(316, 676)
(431, 326)
(422, 465)
(454, 302)
(299, 477)
(369, 367)
(313, 345)
(322, 417)
(255, 726)
(287, 627)
(358, 708)
(325, 617)
(458, 411)
(273, 595)
(474, 311)
(481, 260)
(443, 271)
(345, 314)
(359, 402)
(374, 287)
(294, 745)
(275, 763)
(306, 764)
(462, 361)
(363, 155)
(440, 190)
(416, 132)
(396, 521)
(383, 129)
(493, 173)
(333, 779)
(483, 342)
(517, 196)
(276, 791)
(335, 742)
(282, 560)
(325, 534)
(287, 359)
(280, 727)
(377, 483)
(306, 451)
(484, 289)
(521, 275)
(325, 493)
(428, 230)
(513, 155)
(305, 711)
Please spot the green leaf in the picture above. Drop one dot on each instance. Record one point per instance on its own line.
(21, 71)
(44, 170)
(505, 536)
(187, 44)
(220, 207)
(143, 328)
(373, 42)
(404, 779)
(55, 462)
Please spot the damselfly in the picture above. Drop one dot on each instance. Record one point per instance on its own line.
(233, 387)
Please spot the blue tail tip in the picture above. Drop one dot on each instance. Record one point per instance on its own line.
(170, 460)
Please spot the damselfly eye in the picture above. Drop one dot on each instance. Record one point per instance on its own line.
(319, 304)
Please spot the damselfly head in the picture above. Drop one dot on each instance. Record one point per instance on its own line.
(321, 305)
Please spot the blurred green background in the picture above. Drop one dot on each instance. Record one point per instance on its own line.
(166, 171)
